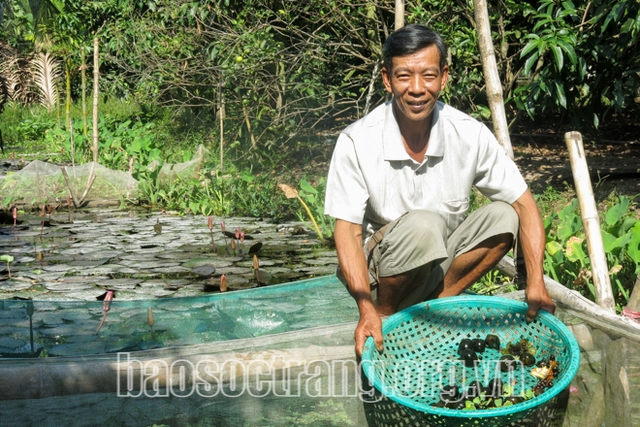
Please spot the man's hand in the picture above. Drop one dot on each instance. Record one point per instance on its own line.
(538, 299)
(369, 325)
(533, 240)
(348, 238)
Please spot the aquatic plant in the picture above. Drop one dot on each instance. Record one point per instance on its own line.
(8, 259)
(291, 193)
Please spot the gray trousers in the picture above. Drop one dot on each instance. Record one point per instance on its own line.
(419, 240)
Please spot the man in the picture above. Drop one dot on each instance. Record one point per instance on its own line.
(399, 184)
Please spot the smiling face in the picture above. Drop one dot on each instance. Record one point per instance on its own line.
(415, 81)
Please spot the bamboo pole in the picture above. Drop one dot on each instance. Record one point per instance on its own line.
(492, 77)
(633, 306)
(399, 14)
(590, 220)
(96, 94)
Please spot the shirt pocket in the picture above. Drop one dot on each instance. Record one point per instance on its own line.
(453, 212)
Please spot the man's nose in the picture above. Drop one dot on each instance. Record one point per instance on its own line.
(415, 84)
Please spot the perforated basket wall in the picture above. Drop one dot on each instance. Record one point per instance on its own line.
(420, 356)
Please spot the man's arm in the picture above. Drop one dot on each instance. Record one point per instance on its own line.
(532, 242)
(348, 238)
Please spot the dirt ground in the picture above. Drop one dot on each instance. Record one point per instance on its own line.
(613, 158)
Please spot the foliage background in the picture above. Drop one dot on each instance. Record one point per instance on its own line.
(285, 69)
(265, 84)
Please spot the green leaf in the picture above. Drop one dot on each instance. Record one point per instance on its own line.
(247, 176)
(615, 213)
(349, 74)
(533, 44)
(574, 252)
(553, 247)
(607, 241)
(614, 15)
(561, 97)
(304, 185)
(611, 243)
(627, 223)
(557, 54)
(6, 258)
(569, 50)
(627, 27)
(530, 62)
(633, 248)
(484, 111)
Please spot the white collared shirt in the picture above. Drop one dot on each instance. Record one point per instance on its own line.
(373, 180)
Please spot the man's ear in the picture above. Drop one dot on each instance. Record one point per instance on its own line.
(386, 79)
(445, 77)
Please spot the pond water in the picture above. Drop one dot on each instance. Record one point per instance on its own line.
(79, 255)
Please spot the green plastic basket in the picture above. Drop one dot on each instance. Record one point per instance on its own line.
(420, 356)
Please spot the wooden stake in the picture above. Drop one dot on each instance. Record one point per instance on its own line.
(634, 299)
(590, 220)
(492, 77)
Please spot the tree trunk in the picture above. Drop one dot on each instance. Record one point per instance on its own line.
(399, 14)
(492, 77)
(96, 94)
(221, 114)
(67, 105)
(83, 69)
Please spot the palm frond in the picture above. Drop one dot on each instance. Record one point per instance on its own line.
(46, 72)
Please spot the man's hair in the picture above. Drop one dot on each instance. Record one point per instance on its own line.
(410, 39)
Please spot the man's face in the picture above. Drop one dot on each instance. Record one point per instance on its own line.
(416, 81)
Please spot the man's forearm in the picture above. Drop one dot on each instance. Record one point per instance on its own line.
(532, 242)
(532, 238)
(348, 238)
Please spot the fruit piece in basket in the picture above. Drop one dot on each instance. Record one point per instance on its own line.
(520, 348)
(492, 341)
(508, 363)
(514, 399)
(474, 390)
(546, 371)
(527, 359)
(494, 388)
(478, 345)
(465, 344)
(450, 393)
(469, 357)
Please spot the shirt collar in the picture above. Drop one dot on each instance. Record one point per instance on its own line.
(392, 139)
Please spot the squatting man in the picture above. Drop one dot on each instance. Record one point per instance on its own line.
(399, 185)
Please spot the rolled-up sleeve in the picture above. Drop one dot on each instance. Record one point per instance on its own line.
(497, 176)
(347, 194)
